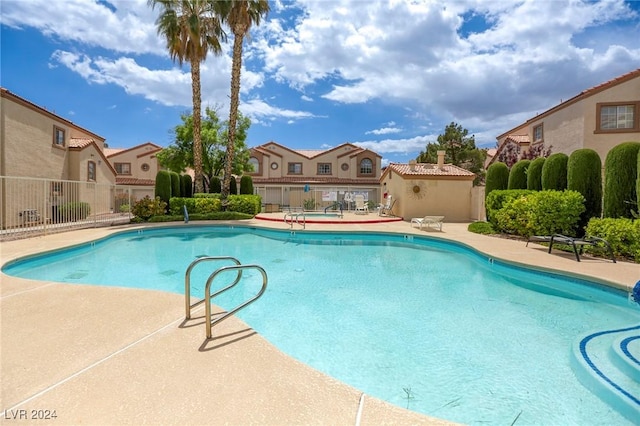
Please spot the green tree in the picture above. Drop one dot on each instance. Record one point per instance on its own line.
(240, 16)
(179, 155)
(460, 150)
(192, 28)
(534, 174)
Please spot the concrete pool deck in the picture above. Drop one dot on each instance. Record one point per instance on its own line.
(105, 355)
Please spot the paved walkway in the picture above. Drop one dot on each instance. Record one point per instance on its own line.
(104, 355)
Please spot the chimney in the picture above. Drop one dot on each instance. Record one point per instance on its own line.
(441, 159)
(412, 165)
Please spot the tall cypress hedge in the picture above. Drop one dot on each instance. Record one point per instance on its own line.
(246, 185)
(497, 178)
(534, 174)
(638, 186)
(216, 186)
(186, 186)
(163, 186)
(175, 185)
(554, 172)
(621, 174)
(518, 175)
(233, 186)
(584, 175)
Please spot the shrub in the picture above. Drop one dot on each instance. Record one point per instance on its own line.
(163, 186)
(198, 216)
(147, 208)
(623, 235)
(175, 184)
(216, 186)
(196, 205)
(497, 178)
(78, 210)
(249, 204)
(246, 185)
(186, 186)
(498, 198)
(541, 213)
(638, 188)
(233, 186)
(534, 174)
(621, 173)
(554, 172)
(481, 228)
(518, 175)
(584, 174)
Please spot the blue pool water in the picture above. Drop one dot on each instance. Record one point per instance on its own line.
(424, 324)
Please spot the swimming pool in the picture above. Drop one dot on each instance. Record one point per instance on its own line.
(424, 324)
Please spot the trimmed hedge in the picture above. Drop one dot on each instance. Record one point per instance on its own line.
(163, 185)
(497, 178)
(584, 174)
(186, 186)
(541, 213)
(216, 186)
(554, 172)
(205, 204)
(518, 175)
(175, 185)
(481, 228)
(534, 174)
(246, 185)
(623, 235)
(621, 173)
(498, 198)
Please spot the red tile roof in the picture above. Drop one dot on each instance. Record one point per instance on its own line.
(428, 169)
(302, 180)
(134, 181)
(80, 142)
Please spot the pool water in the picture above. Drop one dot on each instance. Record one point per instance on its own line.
(421, 323)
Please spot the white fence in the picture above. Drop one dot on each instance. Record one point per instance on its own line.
(30, 207)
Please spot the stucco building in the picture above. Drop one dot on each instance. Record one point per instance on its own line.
(598, 118)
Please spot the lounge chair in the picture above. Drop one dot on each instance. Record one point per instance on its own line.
(428, 221)
(387, 208)
(361, 206)
(577, 244)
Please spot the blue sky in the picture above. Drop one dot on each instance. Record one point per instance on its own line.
(385, 75)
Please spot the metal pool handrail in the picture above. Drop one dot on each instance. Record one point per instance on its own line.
(187, 281)
(207, 296)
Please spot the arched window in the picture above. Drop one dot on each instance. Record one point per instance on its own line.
(255, 164)
(366, 167)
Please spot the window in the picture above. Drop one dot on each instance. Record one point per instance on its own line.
(123, 168)
(255, 165)
(91, 171)
(295, 168)
(58, 136)
(537, 133)
(324, 168)
(145, 167)
(617, 117)
(366, 167)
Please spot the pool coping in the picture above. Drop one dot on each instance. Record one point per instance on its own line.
(99, 367)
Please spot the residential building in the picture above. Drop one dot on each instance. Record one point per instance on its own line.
(47, 161)
(598, 118)
(424, 189)
(314, 179)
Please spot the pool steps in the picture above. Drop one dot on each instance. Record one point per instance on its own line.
(608, 363)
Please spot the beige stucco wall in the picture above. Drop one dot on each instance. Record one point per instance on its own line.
(27, 143)
(441, 196)
(137, 157)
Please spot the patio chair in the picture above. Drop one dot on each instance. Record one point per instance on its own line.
(428, 221)
(387, 208)
(578, 244)
(361, 206)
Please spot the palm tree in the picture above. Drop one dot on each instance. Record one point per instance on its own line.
(239, 15)
(191, 28)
